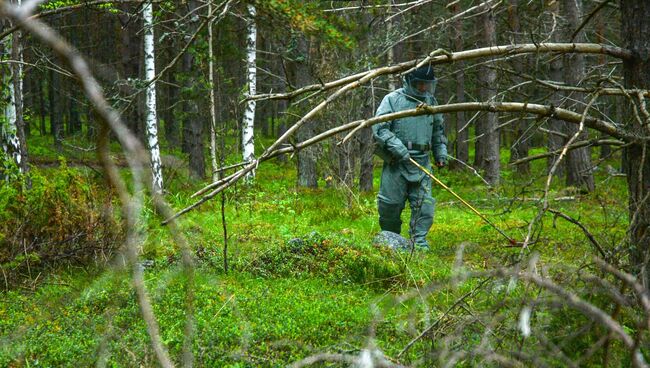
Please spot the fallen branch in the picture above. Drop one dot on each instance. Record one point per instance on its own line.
(437, 57)
(588, 143)
(589, 235)
(541, 110)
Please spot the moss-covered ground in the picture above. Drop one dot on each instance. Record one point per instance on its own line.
(284, 299)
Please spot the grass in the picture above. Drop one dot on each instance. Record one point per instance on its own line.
(286, 299)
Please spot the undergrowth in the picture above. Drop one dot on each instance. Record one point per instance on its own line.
(304, 275)
(55, 217)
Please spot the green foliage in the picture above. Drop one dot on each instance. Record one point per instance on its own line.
(52, 217)
(307, 17)
(304, 277)
(332, 258)
(237, 319)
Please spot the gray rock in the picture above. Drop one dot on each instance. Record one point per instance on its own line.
(392, 240)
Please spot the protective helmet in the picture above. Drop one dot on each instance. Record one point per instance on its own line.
(420, 82)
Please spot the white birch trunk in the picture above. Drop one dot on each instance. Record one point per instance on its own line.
(9, 129)
(213, 117)
(248, 146)
(150, 74)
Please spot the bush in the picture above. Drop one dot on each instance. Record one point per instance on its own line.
(61, 217)
(333, 258)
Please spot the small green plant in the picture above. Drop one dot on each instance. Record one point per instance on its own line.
(60, 217)
(330, 257)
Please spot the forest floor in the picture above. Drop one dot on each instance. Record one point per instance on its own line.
(304, 276)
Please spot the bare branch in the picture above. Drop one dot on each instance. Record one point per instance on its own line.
(541, 110)
(583, 228)
(588, 143)
(449, 57)
(136, 157)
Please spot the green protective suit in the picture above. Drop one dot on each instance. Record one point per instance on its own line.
(400, 179)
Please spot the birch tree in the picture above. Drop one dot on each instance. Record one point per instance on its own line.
(248, 122)
(213, 114)
(11, 130)
(150, 74)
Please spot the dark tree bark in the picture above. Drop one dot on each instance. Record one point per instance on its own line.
(610, 105)
(519, 148)
(307, 176)
(193, 123)
(171, 124)
(365, 140)
(75, 119)
(487, 144)
(346, 163)
(579, 173)
(461, 143)
(366, 148)
(635, 17)
(556, 139)
(129, 51)
(41, 105)
(280, 105)
(56, 123)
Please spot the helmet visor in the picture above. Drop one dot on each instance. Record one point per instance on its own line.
(423, 86)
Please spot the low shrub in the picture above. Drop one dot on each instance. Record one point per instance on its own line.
(49, 220)
(331, 257)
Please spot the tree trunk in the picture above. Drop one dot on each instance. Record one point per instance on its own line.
(635, 17)
(193, 122)
(557, 138)
(172, 130)
(152, 121)
(281, 105)
(41, 105)
(248, 122)
(487, 144)
(307, 176)
(346, 163)
(390, 54)
(74, 121)
(366, 149)
(461, 143)
(519, 148)
(213, 113)
(55, 109)
(610, 105)
(579, 173)
(17, 72)
(11, 144)
(129, 51)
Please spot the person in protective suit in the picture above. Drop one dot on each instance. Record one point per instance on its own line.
(411, 137)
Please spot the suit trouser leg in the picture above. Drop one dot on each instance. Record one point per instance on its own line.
(422, 209)
(391, 198)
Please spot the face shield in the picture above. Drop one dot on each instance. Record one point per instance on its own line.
(417, 87)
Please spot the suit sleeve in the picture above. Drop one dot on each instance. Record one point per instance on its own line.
(384, 137)
(439, 139)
